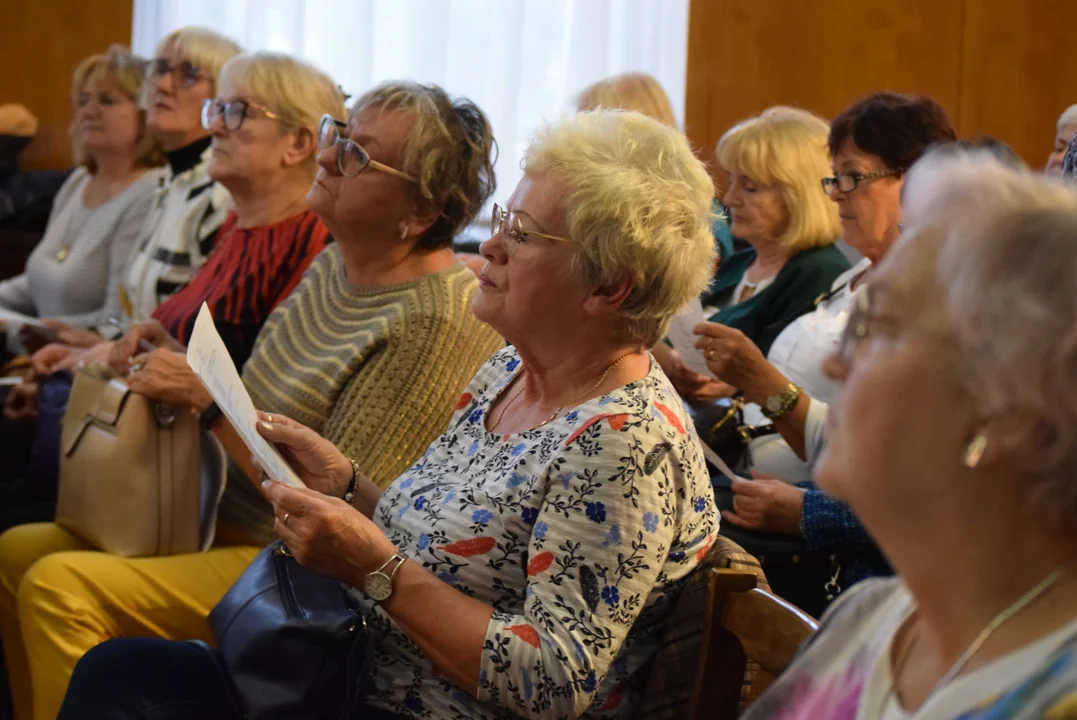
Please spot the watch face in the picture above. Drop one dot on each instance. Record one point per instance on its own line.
(378, 586)
(774, 403)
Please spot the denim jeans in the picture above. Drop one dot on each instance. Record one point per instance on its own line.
(153, 679)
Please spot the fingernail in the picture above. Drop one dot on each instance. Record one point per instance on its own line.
(263, 425)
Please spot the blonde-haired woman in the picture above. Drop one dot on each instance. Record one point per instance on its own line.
(774, 162)
(552, 565)
(73, 275)
(264, 149)
(631, 91)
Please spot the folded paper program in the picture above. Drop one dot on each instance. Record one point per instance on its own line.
(208, 357)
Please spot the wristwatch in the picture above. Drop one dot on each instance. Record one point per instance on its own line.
(378, 585)
(780, 405)
(209, 417)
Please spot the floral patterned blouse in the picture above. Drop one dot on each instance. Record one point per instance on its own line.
(580, 534)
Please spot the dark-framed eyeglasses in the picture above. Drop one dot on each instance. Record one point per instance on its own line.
(185, 73)
(352, 158)
(511, 229)
(234, 112)
(850, 181)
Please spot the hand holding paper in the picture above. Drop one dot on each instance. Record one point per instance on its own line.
(209, 359)
(684, 340)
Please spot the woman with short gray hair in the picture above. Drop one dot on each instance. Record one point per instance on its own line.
(555, 521)
(955, 432)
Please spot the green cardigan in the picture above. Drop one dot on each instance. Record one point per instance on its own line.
(802, 279)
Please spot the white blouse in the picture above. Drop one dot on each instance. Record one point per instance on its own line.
(799, 353)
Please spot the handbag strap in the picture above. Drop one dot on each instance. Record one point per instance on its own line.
(360, 667)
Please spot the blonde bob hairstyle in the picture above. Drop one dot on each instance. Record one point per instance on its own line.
(450, 149)
(126, 71)
(631, 91)
(1002, 264)
(295, 91)
(638, 204)
(206, 48)
(786, 146)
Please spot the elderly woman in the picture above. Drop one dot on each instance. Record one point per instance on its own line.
(554, 521)
(774, 163)
(1064, 132)
(377, 331)
(971, 321)
(188, 209)
(73, 275)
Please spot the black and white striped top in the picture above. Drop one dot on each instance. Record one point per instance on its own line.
(180, 230)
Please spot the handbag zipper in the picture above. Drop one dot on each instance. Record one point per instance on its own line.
(284, 585)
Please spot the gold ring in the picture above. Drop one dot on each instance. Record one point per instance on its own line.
(284, 520)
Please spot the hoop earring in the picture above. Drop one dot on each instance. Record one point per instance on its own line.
(404, 232)
(974, 451)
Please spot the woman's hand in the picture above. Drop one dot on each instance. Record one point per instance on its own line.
(52, 358)
(766, 504)
(317, 461)
(165, 376)
(125, 349)
(326, 534)
(730, 355)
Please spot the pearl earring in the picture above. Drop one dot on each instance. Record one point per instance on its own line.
(974, 451)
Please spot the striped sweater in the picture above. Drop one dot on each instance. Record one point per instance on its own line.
(374, 370)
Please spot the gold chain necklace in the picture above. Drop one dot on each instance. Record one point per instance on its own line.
(1020, 604)
(601, 379)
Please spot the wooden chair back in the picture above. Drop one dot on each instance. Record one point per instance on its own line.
(743, 623)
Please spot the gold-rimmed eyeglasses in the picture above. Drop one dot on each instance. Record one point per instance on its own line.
(352, 158)
(514, 234)
(850, 181)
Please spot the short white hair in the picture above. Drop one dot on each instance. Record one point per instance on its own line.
(638, 203)
(1004, 264)
(1068, 117)
(206, 48)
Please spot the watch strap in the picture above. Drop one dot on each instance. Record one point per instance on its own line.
(349, 493)
(209, 416)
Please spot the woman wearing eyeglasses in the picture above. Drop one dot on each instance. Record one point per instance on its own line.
(530, 559)
(873, 143)
(371, 348)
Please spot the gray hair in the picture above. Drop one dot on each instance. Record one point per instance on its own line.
(1068, 117)
(1006, 273)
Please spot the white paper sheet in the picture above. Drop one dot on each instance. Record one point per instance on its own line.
(683, 340)
(208, 357)
(714, 459)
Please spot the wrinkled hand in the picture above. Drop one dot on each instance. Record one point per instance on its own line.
(165, 376)
(130, 345)
(766, 504)
(318, 462)
(730, 355)
(76, 337)
(21, 402)
(326, 534)
(52, 358)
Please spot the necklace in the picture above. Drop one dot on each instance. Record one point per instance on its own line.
(547, 421)
(1007, 613)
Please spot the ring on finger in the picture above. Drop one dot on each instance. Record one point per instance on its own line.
(284, 520)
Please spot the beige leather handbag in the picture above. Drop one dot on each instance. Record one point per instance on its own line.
(129, 471)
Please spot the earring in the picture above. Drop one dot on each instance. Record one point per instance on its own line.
(403, 232)
(974, 451)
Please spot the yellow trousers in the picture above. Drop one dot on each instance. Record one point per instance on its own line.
(58, 599)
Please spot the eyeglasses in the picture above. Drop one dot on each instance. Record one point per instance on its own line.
(352, 158)
(234, 113)
(849, 182)
(514, 234)
(185, 73)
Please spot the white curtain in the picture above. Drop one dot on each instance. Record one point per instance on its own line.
(521, 61)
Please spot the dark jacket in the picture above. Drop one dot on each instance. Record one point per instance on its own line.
(794, 291)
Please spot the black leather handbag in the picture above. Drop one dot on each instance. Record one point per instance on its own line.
(291, 642)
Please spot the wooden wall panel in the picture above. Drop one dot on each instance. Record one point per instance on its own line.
(1000, 67)
(1020, 72)
(41, 43)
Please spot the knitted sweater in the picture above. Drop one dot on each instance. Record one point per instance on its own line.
(374, 370)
